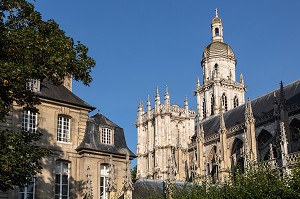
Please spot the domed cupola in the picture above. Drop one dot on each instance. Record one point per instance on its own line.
(217, 49)
(220, 87)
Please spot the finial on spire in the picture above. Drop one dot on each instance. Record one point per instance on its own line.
(157, 94)
(198, 83)
(217, 12)
(167, 90)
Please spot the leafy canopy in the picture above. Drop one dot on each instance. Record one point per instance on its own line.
(31, 48)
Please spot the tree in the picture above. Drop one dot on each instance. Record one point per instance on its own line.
(133, 174)
(31, 48)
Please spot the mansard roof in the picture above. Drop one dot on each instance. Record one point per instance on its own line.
(91, 140)
(61, 94)
(263, 108)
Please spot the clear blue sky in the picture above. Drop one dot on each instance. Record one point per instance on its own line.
(141, 44)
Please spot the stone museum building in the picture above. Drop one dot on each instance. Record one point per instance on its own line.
(89, 158)
(177, 143)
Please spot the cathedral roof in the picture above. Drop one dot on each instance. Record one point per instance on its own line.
(263, 108)
(60, 94)
(218, 49)
(91, 140)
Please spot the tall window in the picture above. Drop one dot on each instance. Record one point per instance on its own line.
(62, 180)
(212, 104)
(29, 121)
(106, 135)
(63, 129)
(204, 109)
(27, 191)
(104, 169)
(235, 102)
(224, 101)
(217, 31)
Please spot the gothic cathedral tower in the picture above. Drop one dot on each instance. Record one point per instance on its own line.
(220, 88)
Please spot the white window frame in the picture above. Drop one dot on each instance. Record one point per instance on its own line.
(106, 136)
(63, 128)
(26, 193)
(33, 85)
(104, 172)
(62, 169)
(29, 121)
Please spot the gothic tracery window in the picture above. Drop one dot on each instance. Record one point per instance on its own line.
(224, 101)
(235, 101)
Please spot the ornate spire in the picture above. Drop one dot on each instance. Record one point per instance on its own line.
(157, 97)
(282, 96)
(248, 112)
(216, 12)
(186, 104)
(241, 79)
(198, 83)
(222, 122)
(148, 103)
(167, 96)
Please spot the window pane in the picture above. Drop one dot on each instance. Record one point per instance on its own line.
(64, 179)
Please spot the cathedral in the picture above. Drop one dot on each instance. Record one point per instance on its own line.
(180, 144)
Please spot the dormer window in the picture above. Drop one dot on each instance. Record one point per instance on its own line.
(33, 85)
(106, 136)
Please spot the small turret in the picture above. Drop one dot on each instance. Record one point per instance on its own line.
(217, 28)
(241, 79)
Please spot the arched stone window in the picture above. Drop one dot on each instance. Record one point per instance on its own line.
(212, 104)
(236, 154)
(217, 33)
(235, 102)
(263, 144)
(213, 164)
(224, 101)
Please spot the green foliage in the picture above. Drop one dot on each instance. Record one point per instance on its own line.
(260, 182)
(20, 158)
(133, 174)
(31, 48)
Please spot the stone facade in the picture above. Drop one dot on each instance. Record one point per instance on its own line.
(225, 131)
(79, 166)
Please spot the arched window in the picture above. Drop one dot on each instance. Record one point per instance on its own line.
(236, 153)
(224, 101)
(204, 109)
(104, 171)
(235, 101)
(216, 67)
(212, 104)
(217, 31)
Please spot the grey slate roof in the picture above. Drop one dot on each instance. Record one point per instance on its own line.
(261, 106)
(60, 94)
(91, 140)
(144, 188)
